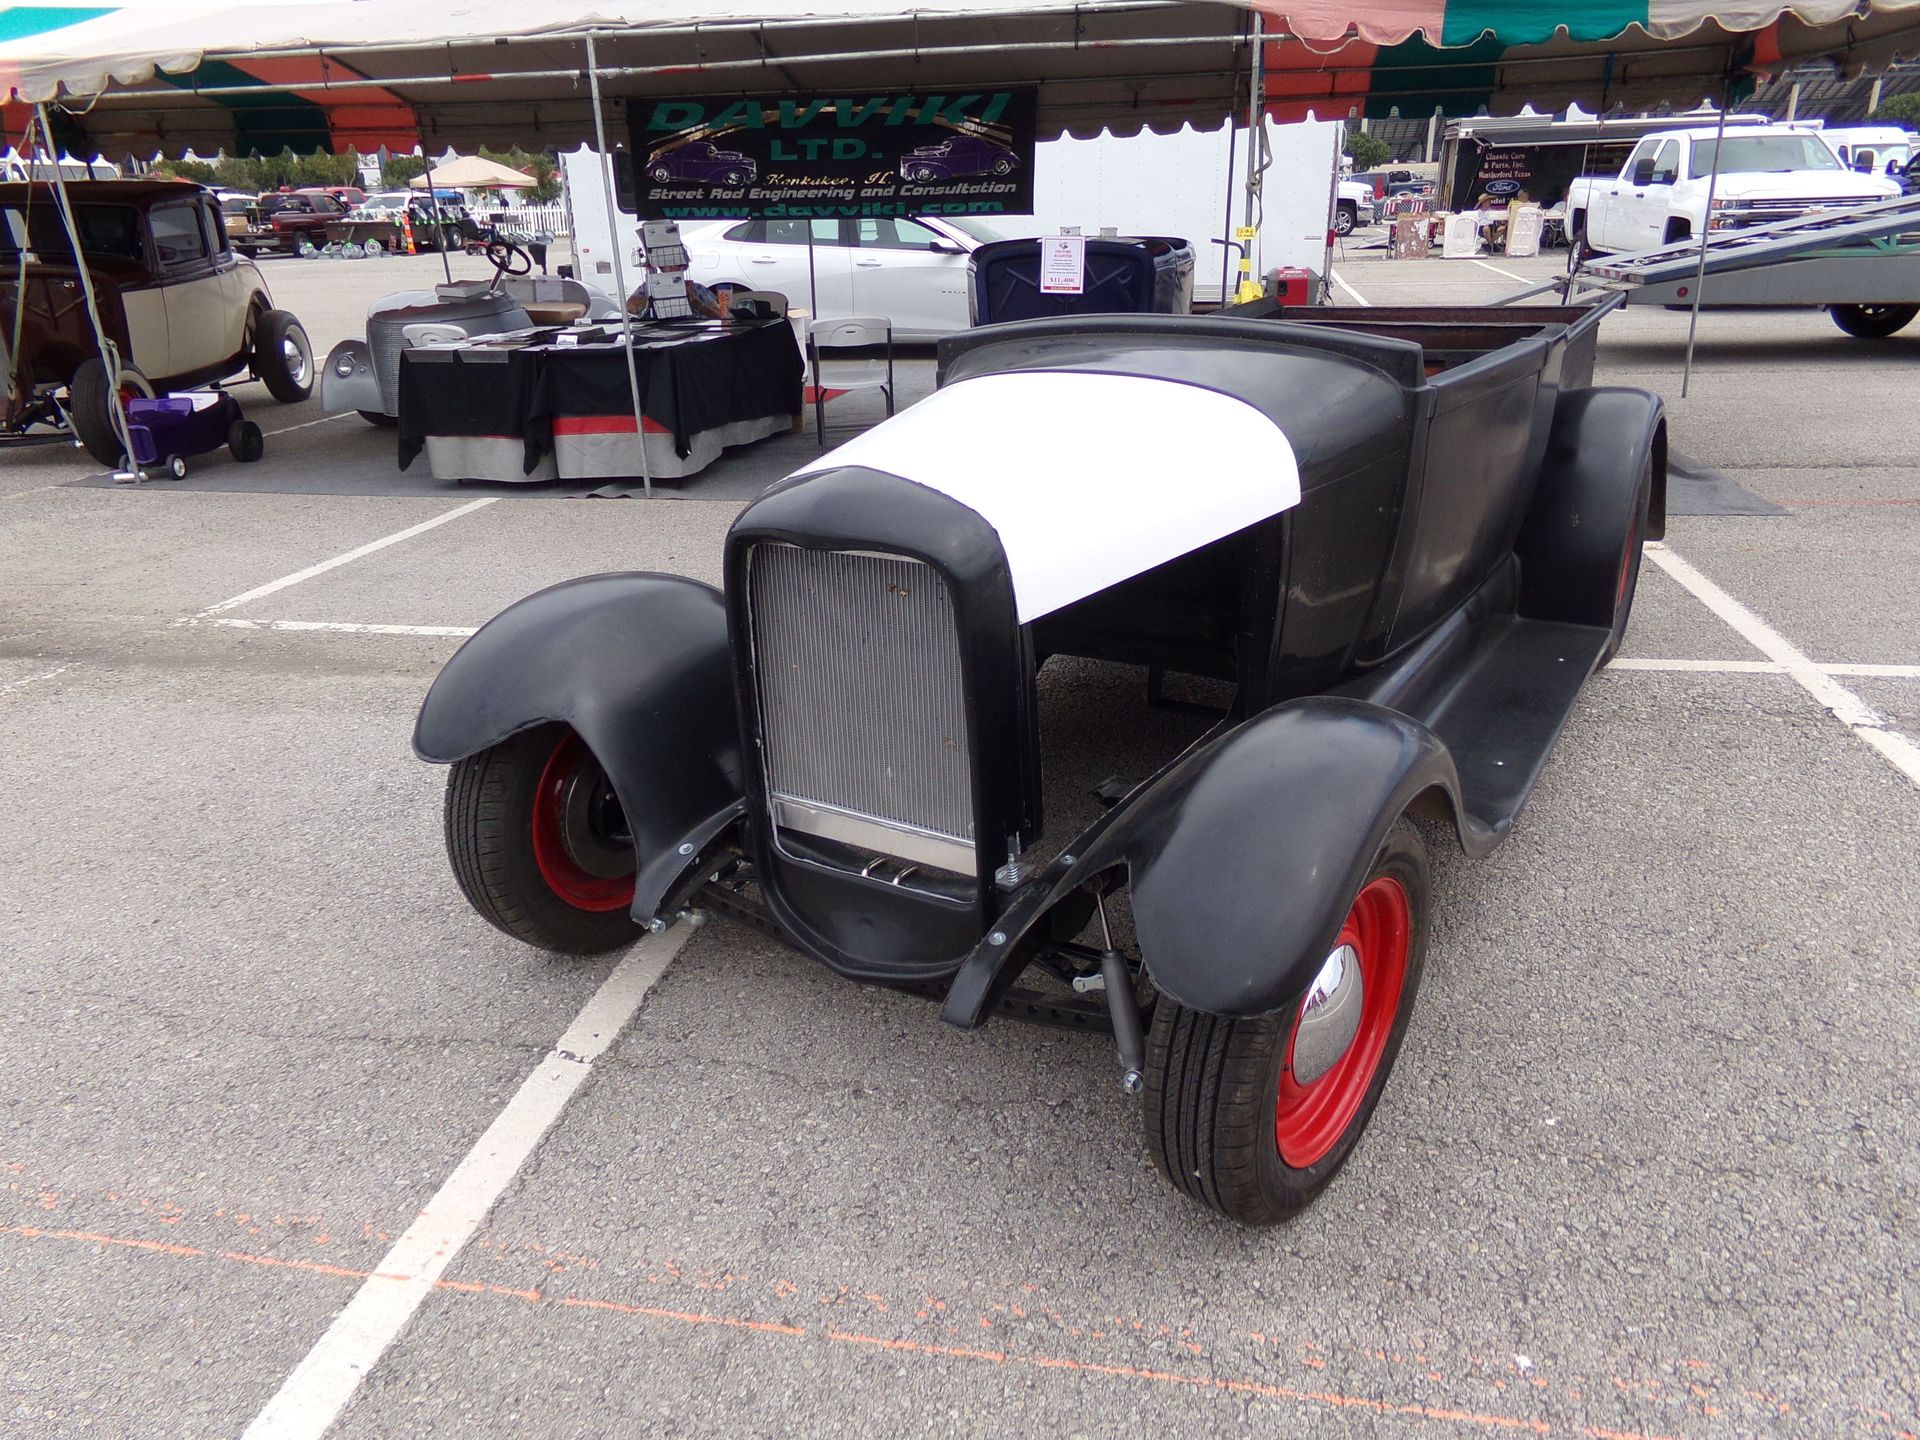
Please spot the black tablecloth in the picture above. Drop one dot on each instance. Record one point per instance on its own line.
(692, 378)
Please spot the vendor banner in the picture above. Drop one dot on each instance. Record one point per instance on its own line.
(949, 153)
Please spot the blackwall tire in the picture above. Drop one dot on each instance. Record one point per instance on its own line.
(245, 441)
(506, 819)
(283, 357)
(87, 407)
(1225, 1120)
(1873, 322)
(1631, 555)
(380, 418)
(1344, 217)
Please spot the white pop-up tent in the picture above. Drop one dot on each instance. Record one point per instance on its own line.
(363, 74)
(465, 172)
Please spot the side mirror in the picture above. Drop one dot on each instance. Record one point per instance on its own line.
(944, 247)
(1643, 172)
(1865, 167)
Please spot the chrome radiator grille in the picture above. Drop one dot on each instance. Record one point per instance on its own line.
(857, 662)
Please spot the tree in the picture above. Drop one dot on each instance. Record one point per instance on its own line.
(399, 169)
(198, 171)
(1899, 110)
(1366, 151)
(546, 176)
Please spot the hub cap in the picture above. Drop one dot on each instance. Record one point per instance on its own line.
(1341, 1031)
(1329, 1016)
(580, 837)
(296, 357)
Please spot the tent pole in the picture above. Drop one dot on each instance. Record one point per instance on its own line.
(1226, 223)
(109, 352)
(619, 270)
(813, 285)
(1700, 271)
(433, 209)
(1256, 140)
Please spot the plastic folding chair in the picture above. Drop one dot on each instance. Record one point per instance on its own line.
(850, 332)
(772, 299)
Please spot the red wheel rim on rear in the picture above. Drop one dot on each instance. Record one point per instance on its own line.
(563, 874)
(1310, 1119)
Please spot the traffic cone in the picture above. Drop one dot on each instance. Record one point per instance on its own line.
(406, 232)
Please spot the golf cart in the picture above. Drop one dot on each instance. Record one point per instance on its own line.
(1367, 558)
(364, 375)
(180, 308)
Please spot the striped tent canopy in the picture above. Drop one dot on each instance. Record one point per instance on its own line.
(162, 78)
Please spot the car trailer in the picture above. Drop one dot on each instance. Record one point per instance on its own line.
(1861, 265)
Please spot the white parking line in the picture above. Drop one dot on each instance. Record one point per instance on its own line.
(1849, 709)
(1340, 280)
(1524, 280)
(345, 627)
(322, 1384)
(289, 429)
(1702, 667)
(273, 586)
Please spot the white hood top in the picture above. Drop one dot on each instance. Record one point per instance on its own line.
(1088, 479)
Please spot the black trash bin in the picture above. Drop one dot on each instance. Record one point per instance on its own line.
(1132, 275)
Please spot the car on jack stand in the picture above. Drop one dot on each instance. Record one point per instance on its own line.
(183, 310)
(1399, 543)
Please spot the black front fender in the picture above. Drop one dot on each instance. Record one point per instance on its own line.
(1243, 857)
(637, 664)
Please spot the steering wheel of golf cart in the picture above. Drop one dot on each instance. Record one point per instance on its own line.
(508, 258)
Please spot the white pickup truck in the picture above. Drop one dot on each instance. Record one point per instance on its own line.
(1775, 172)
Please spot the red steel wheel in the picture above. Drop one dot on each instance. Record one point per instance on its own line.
(540, 843)
(572, 804)
(1309, 1118)
(1255, 1115)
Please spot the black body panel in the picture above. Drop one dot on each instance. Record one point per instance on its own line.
(637, 664)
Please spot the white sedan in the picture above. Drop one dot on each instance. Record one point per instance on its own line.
(913, 271)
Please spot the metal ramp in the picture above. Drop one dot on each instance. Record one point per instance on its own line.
(1866, 255)
(1884, 227)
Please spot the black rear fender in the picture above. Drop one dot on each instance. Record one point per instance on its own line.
(637, 664)
(1243, 858)
(1577, 526)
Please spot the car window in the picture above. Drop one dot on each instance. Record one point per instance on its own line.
(105, 230)
(1666, 165)
(785, 232)
(1645, 150)
(978, 229)
(889, 233)
(213, 226)
(1760, 154)
(177, 237)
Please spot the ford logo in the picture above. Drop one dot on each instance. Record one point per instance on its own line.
(1503, 187)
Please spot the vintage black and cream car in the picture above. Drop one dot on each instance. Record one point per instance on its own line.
(1360, 572)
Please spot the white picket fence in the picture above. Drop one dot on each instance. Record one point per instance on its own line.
(526, 219)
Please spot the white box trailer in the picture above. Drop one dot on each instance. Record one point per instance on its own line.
(1143, 184)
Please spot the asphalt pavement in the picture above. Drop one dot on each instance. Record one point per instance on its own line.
(1649, 1164)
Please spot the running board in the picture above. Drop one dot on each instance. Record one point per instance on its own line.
(1497, 692)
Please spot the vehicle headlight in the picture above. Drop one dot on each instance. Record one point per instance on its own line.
(343, 367)
(1721, 202)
